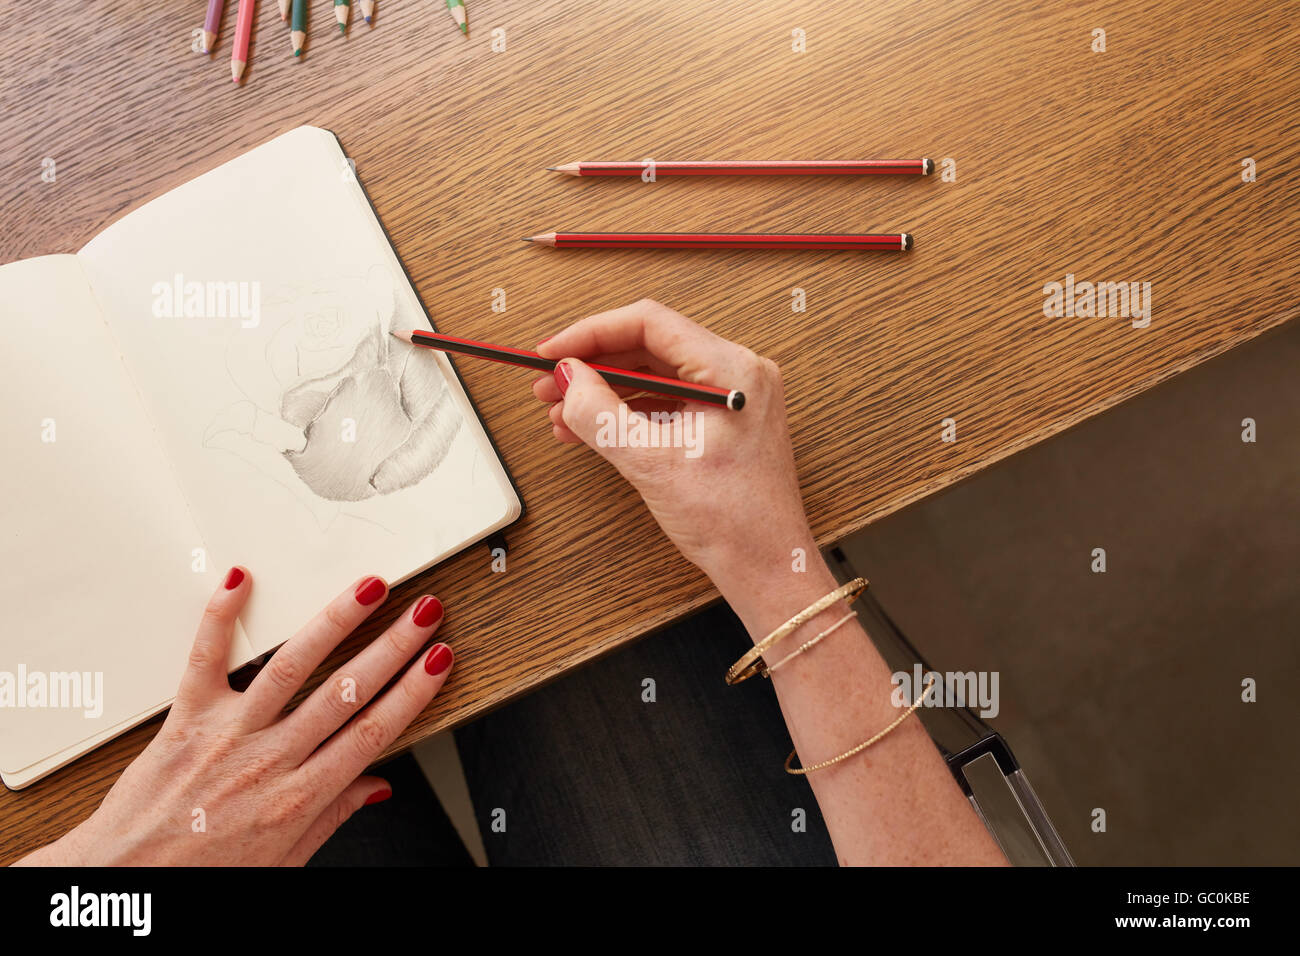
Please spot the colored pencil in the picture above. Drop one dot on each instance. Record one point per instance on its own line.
(298, 31)
(243, 28)
(341, 10)
(893, 242)
(284, 9)
(457, 10)
(368, 9)
(212, 25)
(848, 167)
(644, 381)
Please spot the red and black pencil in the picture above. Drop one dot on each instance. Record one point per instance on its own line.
(848, 167)
(644, 381)
(893, 242)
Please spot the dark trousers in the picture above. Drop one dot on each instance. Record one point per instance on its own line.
(642, 758)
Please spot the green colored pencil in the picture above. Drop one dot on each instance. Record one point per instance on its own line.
(341, 10)
(298, 27)
(457, 10)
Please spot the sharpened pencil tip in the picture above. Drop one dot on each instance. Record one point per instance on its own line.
(297, 52)
(526, 239)
(551, 169)
(367, 19)
(343, 29)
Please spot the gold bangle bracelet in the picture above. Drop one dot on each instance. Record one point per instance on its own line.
(862, 746)
(768, 671)
(748, 665)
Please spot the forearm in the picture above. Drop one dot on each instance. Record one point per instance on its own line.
(736, 513)
(895, 802)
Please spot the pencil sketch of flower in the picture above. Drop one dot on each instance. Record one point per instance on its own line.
(323, 358)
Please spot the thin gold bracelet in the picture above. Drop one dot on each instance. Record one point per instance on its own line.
(865, 744)
(748, 665)
(768, 671)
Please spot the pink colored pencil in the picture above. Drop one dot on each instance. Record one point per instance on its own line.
(243, 29)
(212, 25)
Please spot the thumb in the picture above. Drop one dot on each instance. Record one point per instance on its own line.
(590, 408)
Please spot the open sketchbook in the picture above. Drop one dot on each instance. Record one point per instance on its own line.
(209, 382)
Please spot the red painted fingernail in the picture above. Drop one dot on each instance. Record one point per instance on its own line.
(563, 377)
(234, 579)
(439, 660)
(427, 610)
(370, 590)
(379, 796)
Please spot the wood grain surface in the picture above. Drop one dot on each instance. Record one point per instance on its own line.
(1114, 166)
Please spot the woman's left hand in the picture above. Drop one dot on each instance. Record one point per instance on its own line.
(230, 779)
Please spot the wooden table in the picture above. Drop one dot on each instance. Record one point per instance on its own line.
(1121, 165)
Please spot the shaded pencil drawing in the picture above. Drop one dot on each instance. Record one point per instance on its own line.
(334, 405)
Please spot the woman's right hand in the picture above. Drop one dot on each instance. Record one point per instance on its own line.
(735, 511)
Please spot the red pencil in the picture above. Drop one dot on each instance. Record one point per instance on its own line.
(893, 242)
(849, 167)
(644, 381)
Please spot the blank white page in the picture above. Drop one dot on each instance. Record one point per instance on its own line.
(311, 445)
(98, 543)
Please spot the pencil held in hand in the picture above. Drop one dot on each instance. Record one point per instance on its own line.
(642, 381)
(890, 242)
(243, 29)
(851, 167)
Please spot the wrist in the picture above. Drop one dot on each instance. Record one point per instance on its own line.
(766, 594)
(61, 852)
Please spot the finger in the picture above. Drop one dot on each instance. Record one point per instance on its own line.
(560, 430)
(206, 675)
(588, 401)
(360, 793)
(646, 406)
(547, 390)
(371, 732)
(637, 360)
(544, 388)
(356, 683)
(562, 434)
(283, 675)
(666, 335)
